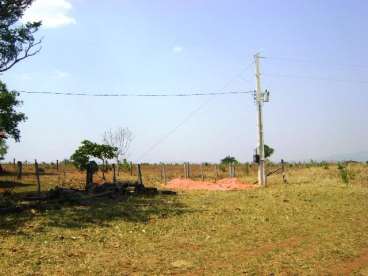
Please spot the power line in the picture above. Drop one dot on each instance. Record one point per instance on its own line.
(314, 62)
(314, 78)
(191, 114)
(135, 95)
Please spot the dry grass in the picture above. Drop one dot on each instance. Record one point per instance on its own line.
(315, 225)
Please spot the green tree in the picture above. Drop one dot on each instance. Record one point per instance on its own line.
(17, 40)
(268, 151)
(89, 150)
(3, 149)
(228, 160)
(9, 116)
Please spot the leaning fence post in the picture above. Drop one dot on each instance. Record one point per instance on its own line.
(37, 171)
(114, 174)
(139, 174)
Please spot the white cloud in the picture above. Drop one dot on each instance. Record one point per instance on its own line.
(53, 13)
(178, 49)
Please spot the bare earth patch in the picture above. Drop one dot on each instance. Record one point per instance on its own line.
(225, 184)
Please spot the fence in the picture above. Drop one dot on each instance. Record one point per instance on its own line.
(43, 176)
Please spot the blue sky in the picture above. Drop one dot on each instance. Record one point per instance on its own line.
(316, 68)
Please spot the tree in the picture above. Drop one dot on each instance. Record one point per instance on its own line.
(121, 138)
(17, 40)
(268, 151)
(228, 160)
(9, 117)
(88, 150)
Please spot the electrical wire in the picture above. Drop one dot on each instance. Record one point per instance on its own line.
(136, 95)
(189, 116)
(313, 78)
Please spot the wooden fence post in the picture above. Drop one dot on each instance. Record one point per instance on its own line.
(139, 174)
(131, 168)
(246, 169)
(216, 173)
(189, 170)
(19, 170)
(164, 173)
(185, 170)
(114, 174)
(37, 171)
(202, 174)
(283, 171)
(64, 174)
(57, 165)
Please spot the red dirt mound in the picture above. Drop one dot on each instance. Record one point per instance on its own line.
(225, 184)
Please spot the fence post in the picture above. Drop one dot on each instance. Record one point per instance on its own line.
(164, 173)
(202, 175)
(216, 173)
(246, 169)
(189, 170)
(37, 171)
(57, 165)
(131, 168)
(283, 171)
(19, 170)
(114, 174)
(139, 174)
(185, 170)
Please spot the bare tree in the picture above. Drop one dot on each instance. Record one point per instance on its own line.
(120, 138)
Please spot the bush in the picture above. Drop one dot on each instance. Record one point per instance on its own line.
(344, 175)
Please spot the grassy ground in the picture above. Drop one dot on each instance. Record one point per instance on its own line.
(315, 225)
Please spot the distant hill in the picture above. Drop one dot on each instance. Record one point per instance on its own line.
(361, 156)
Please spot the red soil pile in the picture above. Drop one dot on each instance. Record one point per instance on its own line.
(225, 184)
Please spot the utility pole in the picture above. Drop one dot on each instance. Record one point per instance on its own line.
(260, 97)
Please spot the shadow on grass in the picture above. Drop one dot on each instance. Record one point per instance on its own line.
(5, 184)
(137, 208)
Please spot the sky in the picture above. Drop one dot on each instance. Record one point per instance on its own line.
(315, 66)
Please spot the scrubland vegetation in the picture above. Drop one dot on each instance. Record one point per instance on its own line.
(315, 224)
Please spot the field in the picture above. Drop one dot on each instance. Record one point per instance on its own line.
(314, 225)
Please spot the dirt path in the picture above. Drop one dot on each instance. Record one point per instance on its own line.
(348, 267)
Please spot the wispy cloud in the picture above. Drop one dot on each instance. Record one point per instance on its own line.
(52, 13)
(178, 49)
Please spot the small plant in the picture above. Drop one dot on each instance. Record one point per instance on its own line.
(344, 175)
